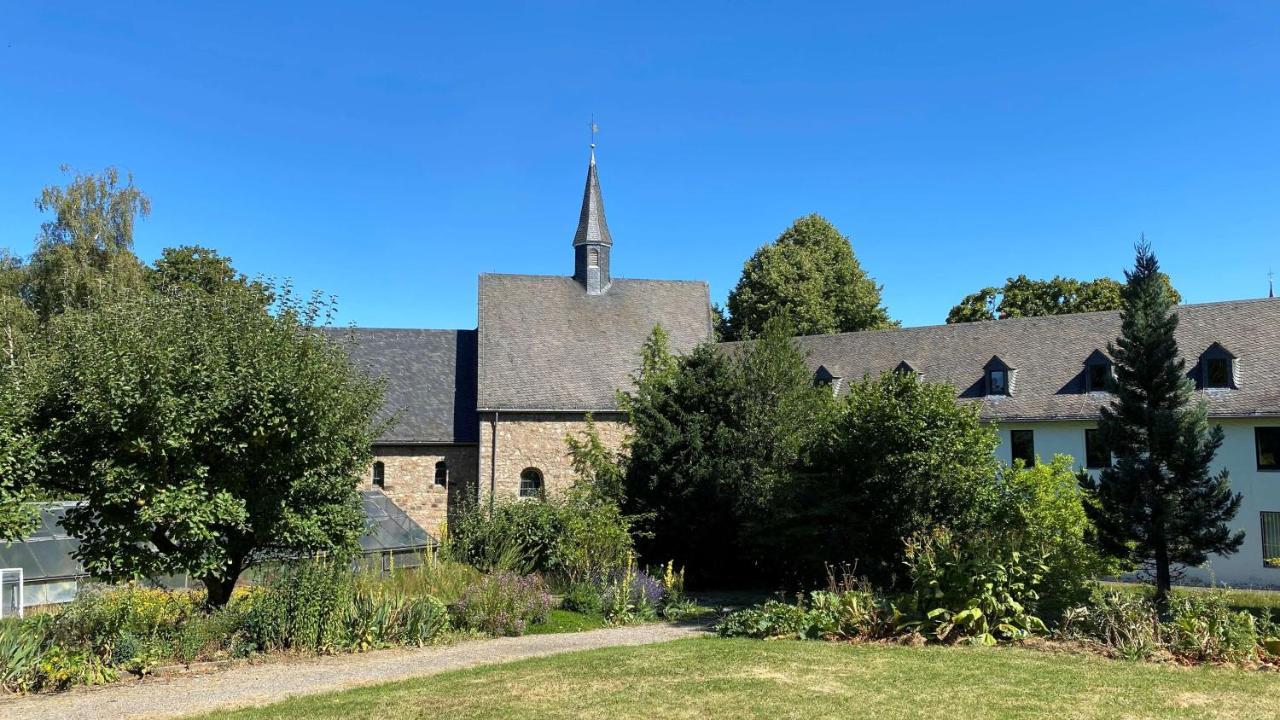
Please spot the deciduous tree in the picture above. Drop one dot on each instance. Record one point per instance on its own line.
(809, 278)
(1024, 297)
(205, 431)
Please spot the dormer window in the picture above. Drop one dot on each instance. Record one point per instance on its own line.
(999, 377)
(1097, 372)
(1218, 368)
(822, 377)
(906, 368)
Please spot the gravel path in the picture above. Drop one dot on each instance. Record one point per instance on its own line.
(188, 694)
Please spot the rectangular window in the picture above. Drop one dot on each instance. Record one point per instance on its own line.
(1095, 455)
(1023, 446)
(1268, 442)
(998, 383)
(1218, 373)
(1099, 374)
(1271, 539)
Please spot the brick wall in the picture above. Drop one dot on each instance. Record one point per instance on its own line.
(536, 440)
(409, 479)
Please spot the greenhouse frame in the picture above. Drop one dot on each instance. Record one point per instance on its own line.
(41, 569)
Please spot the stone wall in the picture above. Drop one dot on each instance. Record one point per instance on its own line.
(536, 440)
(409, 479)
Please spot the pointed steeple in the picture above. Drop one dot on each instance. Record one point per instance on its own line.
(592, 228)
(592, 242)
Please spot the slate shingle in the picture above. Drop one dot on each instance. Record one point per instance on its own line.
(545, 344)
(431, 381)
(1050, 352)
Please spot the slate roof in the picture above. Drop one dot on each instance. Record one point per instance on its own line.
(592, 227)
(431, 381)
(545, 344)
(1049, 355)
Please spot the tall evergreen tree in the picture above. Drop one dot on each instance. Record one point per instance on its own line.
(1159, 503)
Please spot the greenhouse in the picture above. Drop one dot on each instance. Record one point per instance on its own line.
(41, 569)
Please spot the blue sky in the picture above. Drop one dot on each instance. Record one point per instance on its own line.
(389, 152)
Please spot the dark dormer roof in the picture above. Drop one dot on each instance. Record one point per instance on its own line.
(905, 366)
(995, 363)
(1047, 352)
(1217, 350)
(547, 344)
(592, 228)
(1097, 357)
(431, 381)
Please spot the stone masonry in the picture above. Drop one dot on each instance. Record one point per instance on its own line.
(409, 479)
(536, 440)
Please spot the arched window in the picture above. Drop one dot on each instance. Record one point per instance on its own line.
(442, 473)
(593, 257)
(531, 483)
(379, 475)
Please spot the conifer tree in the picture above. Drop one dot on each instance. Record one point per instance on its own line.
(1159, 503)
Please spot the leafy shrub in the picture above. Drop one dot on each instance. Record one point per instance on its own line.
(580, 535)
(583, 597)
(1123, 624)
(302, 608)
(976, 589)
(1041, 507)
(771, 620)
(502, 603)
(1204, 628)
(826, 615)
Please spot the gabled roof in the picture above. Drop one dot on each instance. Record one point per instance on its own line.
(431, 381)
(1050, 352)
(546, 344)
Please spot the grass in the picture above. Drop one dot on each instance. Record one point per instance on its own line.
(1263, 603)
(560, 621)
(788, 679)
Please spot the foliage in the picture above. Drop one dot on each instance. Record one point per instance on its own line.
(717, 444)
(810, 278)
(903, 457)
(1041, 508)
(502, 603)
(598, 469)
(850, 614)
(205, 431)
(1023, 297)
(1205, 629)
(21, 647)
(974, 588)
(1122, 623)
(302, 608)
(83, 254)
(191, 267)
(631, 595)
(578, 535)
(1158, 502)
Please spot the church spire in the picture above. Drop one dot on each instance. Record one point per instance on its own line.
(592, 242)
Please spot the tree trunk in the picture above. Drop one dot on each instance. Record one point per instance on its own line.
(1164, 582)
(219, 586)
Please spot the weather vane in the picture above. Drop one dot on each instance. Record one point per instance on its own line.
(594, 129)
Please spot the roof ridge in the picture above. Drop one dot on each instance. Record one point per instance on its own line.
(570, 278)
(1035, 318)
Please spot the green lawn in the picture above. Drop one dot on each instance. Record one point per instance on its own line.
(788, 679)
(559, 621)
